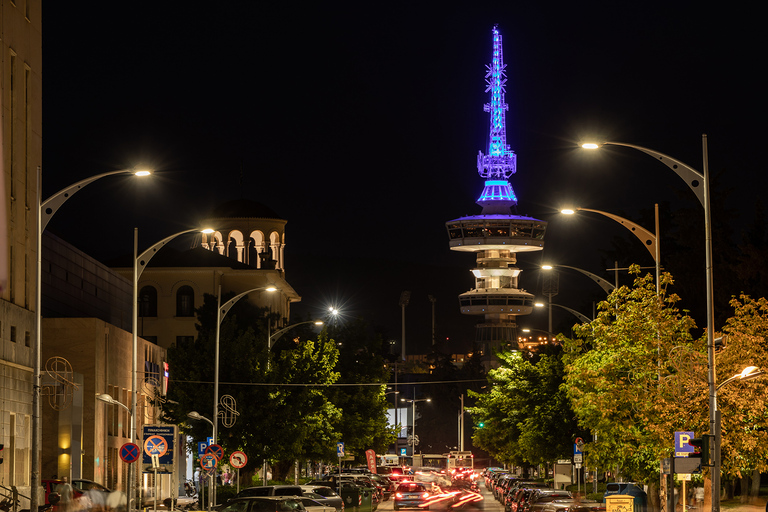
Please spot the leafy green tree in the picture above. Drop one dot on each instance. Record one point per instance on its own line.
(283, 411)
(526, 417)
(363, 422)
(634, 377)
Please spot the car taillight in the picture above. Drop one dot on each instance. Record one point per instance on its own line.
(398, 495)
(425, 495)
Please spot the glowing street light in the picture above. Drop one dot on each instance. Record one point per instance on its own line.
(413, 401)
(273, 336)
(45, 211)
(140, 262)
(194, 415)
(698, 182)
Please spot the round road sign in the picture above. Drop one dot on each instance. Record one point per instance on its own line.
(156, 445)
(130, 452)
(208, 461)
(238, 459)
(215, 450)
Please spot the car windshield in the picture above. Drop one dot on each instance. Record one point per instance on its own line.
(411, 487)
(325, 491)
(290, 505)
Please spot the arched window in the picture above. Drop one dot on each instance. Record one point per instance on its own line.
(185, 301)
(148, 302)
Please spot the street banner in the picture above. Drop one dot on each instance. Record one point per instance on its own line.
(370, 457)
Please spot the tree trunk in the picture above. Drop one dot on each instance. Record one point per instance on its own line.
(744, 488)
(653, 497)
(281, 469)
(707, 493)
(754, 489)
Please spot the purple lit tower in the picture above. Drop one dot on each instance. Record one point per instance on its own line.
(496, 235)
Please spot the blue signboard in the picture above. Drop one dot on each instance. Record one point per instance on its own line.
(682, 448)
(159, 440)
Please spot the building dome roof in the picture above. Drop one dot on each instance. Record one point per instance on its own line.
(243, 208)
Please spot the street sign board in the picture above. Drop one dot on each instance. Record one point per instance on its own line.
(682, 448)
(578, 458)
(158, 440)
(238, 459)
(130, 452)
(685, 465)
(208, 461)
(563, 461)
(339, 450)
(215, 450)
(201, 447)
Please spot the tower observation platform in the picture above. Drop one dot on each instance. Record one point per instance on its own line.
(496, 235)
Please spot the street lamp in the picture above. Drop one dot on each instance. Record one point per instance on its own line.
(45, 211)
(605, 285)
(580, 316)
(695, 179)
(413, 416)
(139, 264)
(748, 373)
(648, 239)
(273, 336)
(199, 417)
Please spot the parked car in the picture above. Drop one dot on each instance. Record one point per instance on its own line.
(270, 490)
(511, 495)
(543, 496)
(100, 497)
(574, 505)
(314, 506)
(263, 504)
(411, 494)
(324, 495)
(63, 494)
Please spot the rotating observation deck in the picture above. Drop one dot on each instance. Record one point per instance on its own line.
(513, 233)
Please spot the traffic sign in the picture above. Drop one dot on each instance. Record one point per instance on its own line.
(201, 447)
(215, 450)
(578, 458)
(130, 452)
(682, 448)
(155, 445)
(238, 459)
(208, 461)
(340, 449)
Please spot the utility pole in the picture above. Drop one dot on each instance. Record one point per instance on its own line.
(405, 298)
(432, 299)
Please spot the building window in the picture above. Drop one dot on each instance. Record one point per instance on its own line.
(185, 301)
(148, 302)
(13, 333)
(26, 339)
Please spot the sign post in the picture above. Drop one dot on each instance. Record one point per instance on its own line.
(340, 453)
(159, 444)
(238, 460)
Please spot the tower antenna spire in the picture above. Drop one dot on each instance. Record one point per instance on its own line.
(501, 162)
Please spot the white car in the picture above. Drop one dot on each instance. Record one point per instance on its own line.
(314, 506)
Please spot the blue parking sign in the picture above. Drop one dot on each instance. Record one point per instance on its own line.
(682, 448)
(201, 447)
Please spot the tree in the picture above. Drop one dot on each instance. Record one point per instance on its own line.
(634, 377)
(283, 411)
(526, 417)
(743, 405)
(363, 424)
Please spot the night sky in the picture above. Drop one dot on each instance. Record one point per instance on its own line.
(360, 124)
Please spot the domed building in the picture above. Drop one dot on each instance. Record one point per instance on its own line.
(246, 252)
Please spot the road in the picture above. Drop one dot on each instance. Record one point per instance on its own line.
(489, 504)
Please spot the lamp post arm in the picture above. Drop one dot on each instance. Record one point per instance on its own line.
(275, 335)
(646, 237)
(143, 258)
(581, 317)
(51, 205)
(224, 309)
(605, 285)
(693, 178)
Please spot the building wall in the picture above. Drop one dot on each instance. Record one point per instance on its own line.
(167, 326)
(21, 122)
(88, 433)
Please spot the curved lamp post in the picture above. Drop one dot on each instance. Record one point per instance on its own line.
(698, 182)
(602, 283)
(194, 415)
(413, 401)
(275, 335)
(580, 316)
(648, 239)
(45, 211)
(140, 262)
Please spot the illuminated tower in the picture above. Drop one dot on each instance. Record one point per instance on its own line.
(496, 235)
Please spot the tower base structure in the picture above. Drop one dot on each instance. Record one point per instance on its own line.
(496, 239)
